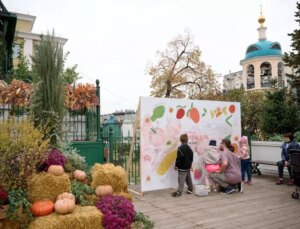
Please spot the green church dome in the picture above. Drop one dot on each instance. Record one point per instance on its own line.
(263, 48)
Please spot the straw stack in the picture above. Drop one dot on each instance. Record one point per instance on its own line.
(108, 174)
(87, 217)
(44, 185)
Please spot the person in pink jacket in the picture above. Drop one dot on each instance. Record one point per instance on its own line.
(245, 160)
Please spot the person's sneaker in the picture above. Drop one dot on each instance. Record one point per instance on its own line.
(189, 191)
(176, 194)
(279, 182)
(240, 187)
(290, 183)
(228, 190)
(249, 182)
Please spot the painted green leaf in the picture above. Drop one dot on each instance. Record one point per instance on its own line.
(158, 112)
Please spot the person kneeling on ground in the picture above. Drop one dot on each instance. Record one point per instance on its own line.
(183, 164)
(289, 144)
(230, 172)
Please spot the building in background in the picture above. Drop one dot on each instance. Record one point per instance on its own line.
(261, 66)
(26, 39)
(232, 81)
(121, 123)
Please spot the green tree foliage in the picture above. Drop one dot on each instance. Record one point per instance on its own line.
(48, 96)
(292, 59)
(251, 106)
(279, 113)
(71, 75)
(179, 71)
(21, 72)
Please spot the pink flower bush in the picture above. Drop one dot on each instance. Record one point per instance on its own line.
(55, 157)
(3, 197)
(118, 212)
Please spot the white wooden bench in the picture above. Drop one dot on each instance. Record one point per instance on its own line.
(264, 153)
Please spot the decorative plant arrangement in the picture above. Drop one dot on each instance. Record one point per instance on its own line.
(22, 148)
(74, 160)
(82, 97)
(118, 212)
(55, 157)
(19, 207)
(81, 192)
(16, 93)
(46, 187)
(142, 221)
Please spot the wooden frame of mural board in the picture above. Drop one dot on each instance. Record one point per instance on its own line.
(129, 162)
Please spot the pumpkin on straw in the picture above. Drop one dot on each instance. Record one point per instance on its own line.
(42, 207)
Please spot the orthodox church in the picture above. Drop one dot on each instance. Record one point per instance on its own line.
(262, 64)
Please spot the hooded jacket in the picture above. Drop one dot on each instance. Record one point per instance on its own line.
(184, 157)
(285, 150)
(212, 155)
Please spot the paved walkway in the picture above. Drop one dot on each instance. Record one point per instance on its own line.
(263, 205)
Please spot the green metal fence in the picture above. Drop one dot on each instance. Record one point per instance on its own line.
(118, 153)
(80, 126)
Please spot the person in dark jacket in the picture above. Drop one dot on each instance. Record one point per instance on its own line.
(183, 164)
(289, 144)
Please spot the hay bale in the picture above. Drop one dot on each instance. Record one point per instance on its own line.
(7, 224)
(108, 174)
(47, 186)
(87, 217)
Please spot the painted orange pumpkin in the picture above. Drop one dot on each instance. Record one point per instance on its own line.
(79, 175)
(66, 195)
(42, 207)
(103, 190)
(64, 206)
(56, 170)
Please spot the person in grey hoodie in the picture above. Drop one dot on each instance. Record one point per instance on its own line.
(212, 161)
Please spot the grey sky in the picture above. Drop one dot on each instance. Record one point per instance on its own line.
(114, 40)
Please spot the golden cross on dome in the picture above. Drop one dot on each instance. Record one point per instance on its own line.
(261, 18)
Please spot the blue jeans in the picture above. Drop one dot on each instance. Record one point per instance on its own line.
(281, 166)
(246, 167)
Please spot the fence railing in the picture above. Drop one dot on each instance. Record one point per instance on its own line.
(117, 151)
(80, 126)
(77, 126)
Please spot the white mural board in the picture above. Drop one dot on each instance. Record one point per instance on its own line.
(162, 122)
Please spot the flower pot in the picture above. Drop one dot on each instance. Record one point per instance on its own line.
(3, 211)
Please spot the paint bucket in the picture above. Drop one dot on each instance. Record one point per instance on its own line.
(201, 190)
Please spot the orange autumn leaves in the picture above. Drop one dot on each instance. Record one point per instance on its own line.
(81, 97)
(17, 93)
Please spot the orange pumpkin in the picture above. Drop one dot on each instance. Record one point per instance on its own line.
(56, 170)
(42, 207)
(79, 175)
(64, 206)
(66, 195)
(103, 190)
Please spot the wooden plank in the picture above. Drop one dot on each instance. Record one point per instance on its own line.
(263, 205)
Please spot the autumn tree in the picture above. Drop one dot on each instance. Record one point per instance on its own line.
(292, 59)
(179, 71)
